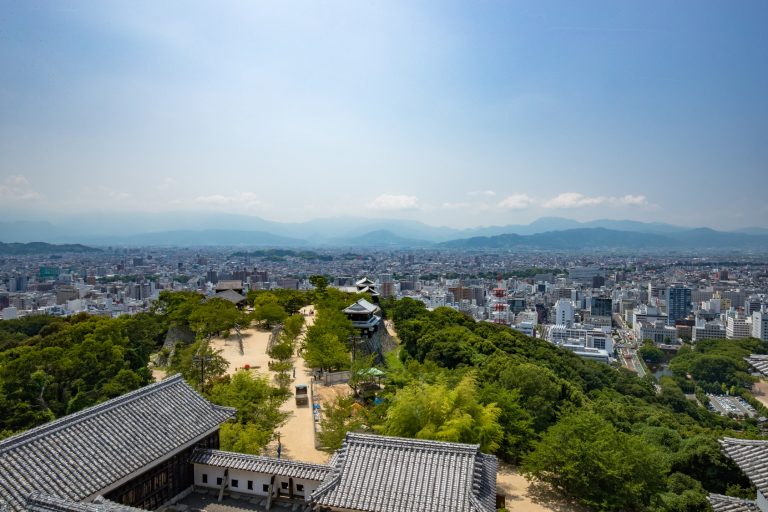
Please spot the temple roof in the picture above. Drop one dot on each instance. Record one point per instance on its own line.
(362, 306)
(752, 457)
(759, 362)
(232, 284)
(81, 455)
(259, 464)
(391, 474)
(230, 295)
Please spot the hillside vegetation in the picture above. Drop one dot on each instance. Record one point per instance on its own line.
(595, 432)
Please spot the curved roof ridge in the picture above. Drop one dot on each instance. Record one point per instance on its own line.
(417, 443)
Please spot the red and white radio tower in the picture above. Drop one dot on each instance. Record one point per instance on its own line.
(499, 305)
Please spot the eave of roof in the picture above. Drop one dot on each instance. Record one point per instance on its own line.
(259, 464)
(722, 503)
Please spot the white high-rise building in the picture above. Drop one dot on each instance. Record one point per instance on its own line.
(737, 328)
(760, 325)
(564, 312)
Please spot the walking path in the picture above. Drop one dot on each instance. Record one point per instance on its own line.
(296, 435)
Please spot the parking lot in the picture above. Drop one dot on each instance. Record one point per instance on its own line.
(731, 406)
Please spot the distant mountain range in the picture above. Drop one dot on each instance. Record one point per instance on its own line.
(601, 238)
(19, 249)
(176, 229)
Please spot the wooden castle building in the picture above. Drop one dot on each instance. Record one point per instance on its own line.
(153, 446)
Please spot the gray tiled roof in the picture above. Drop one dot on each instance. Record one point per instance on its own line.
(230, 295)
(391, 474)
(759, 362)
(83, 453)
(41, 502)
(268, 465)
(752, 457)
(722, 503)
(362, 306)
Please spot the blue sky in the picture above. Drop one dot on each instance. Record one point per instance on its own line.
(452, 113)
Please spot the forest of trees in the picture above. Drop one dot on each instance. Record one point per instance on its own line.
(598, 433)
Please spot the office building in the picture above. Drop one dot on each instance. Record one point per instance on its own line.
(678, 303)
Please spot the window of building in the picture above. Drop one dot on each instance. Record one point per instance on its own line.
(250, 485)
(299, 487)
(218, 481)
(205, 478)
(284, 485)
(234, 483)
(265, 488)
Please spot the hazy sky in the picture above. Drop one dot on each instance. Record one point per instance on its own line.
(454, 113)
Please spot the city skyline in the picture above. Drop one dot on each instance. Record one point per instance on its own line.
(451, 114)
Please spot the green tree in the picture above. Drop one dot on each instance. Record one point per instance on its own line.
(199, 364)
(214, 316)
(292, 326)
(269, 313)
(319, 282)
(338, 418)
(651, 354)
(585, 456)
(327, 353)
(444, 413)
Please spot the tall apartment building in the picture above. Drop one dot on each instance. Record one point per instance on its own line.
(678, 303)
(564, 312)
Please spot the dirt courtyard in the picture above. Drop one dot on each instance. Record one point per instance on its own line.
(760, 390)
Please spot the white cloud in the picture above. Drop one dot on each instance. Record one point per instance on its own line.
(576, 200)
(394, 202)
(487, 193)
(517, 202)
(573, 200)
(455, 206)
(633, 200)
(17, 187)
(240, 200)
